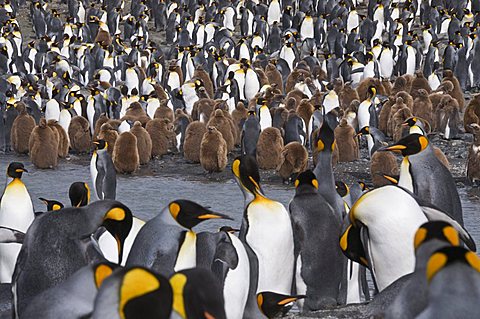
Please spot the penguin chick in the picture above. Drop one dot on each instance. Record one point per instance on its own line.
(305, 110)
(472, 114)
(43, 146)
(419, 83)
(213, 151)
(269, 148)
(144, 142)
(62, 138)
(125, 154)
(346, 95)
(457, 92)
(102, 119)
(109, 135)
(221, 123)
(447, 117)
(164, 112)
(274, 76)
(294, 160)
(79, 134)
(193, 138)
(407, 98)
(135, 112)
(346, 143)
(398, 119)
(400, 84)
(239, 115)
(382, 164)
(163, 136)
(203, 76)
(399, 104)
(202, 109)
(384, 115)
(473, 162)
(21, 130)
(291, 103)
(422, 106)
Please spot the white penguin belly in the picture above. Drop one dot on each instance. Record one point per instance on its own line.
(94, 173)
(265, 118)
(236, 286)
(187, 255)
(271, 238)
(300, 285)
(108, 244)
(353, 291)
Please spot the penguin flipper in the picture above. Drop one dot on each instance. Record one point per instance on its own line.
(99, 180)
(8, 235)
(365, 240)
(433, 213)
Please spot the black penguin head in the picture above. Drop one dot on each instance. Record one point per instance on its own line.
(100, 145)
(144, 294)
(326, 139)
(351, 245)
(189, 214)
(306, 178)
(52, 204)
(15, 170)
(342, 188)
(118, 222)
(372, 91)
(409, 145)
(447, 256)
(410, 121)
(79, 194)
(436, 230)
(271, 303)
(245, 170)
(364, 131)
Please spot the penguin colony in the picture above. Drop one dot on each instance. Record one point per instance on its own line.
(277, 81)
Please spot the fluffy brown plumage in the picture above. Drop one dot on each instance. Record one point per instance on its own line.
(457, 92)
(422, 106)
(294, 160)
(98, 124)
(203, 76)
(221, 123)
(274, 76)
(164, 112)
(203, 109)
(473, 162)
(213, 151)
(63, 144)
(383, 163)
(43, 145)
(419, 83)
(347, 145)
(269, 148)
(22, 128)
(472, 114)
(110, 135)
(125, 154)
(144, 142)
(163, 136)
(135, 112)
(398, 119)
(193, 139)
(79, 134)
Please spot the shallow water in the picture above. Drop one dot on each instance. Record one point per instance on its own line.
(146, 194)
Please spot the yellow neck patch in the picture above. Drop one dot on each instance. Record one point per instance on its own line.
(315, 183)
(320, 145)
(473, 260)
(174, 210)
(56, 207)
(101, 273)
(423, 142)
(452, 235)
(116, 213)
(344, 239)
(420, 236)
(236, 168)
(435, 263)
(178, 282)
(88, 192)
(137, 282)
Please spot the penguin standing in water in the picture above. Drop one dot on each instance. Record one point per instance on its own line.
(40, 267)
(421, 172)
(134, 292)
(319, 260)
(173, 228)
(102, 171)
(267, 234)
(16, 212)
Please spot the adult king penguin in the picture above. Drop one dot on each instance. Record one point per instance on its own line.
(16, 212)
(173, 228)
(267, 234)
(102, 171)
(424, 175)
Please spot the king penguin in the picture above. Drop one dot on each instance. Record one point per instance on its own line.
(16, 212)
(271, 304)
(134, 292)
(424, 175)
(102, 171)
(173, 228)
(267, 234)
(319, 260)
(40, 267)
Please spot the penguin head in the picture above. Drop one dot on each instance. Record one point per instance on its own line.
(342, 188)
(52, 204)
(306, 178)
(79, 194)
(144, 294)
(410, 121)
(326, 139)
(189, 214)
(245, 170)
(364, 131)
(439, 230)
(372, 91)
(271, 303)
(118, 222)
(409, 145)
(447, 256)
(15, 170)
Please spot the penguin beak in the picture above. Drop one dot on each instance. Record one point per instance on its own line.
(390, 179)
(289, 300)
(212, 215)
(21, 170)
(397, 148)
